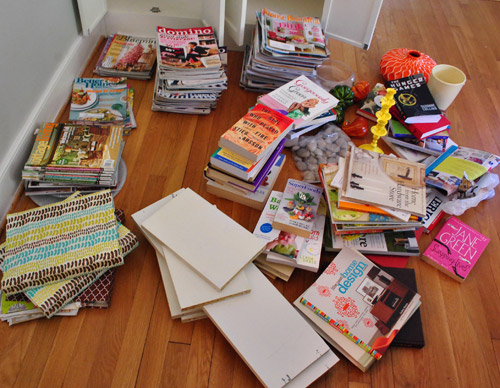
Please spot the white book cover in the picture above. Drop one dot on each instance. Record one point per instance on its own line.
(272, 338)
(300, 99)
(211, 243)
(298, 209)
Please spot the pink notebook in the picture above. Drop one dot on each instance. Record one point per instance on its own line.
(456, 249)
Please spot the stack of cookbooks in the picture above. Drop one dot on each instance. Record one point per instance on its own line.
(248, 161)
(211, 274)
(127, 56)
(283, 48)
(79, 243)
(288, 248)
(190, 75)
(68, 157)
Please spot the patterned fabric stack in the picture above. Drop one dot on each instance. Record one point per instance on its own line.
(53, 253)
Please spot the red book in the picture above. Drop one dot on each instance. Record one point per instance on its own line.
(422, 130)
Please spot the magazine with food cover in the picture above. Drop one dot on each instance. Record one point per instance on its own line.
(287, 34)
(129, 54)
(385, 181)
(99, 101)
(188, 48)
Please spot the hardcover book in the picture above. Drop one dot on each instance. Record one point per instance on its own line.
(420, 130)
(455, 249)
(361, 301)
(412, 333)
(414, 100)
(256, 133)
(298, 208)
(434, 209)
(300, 99)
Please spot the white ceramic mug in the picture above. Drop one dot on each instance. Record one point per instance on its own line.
(445, 83)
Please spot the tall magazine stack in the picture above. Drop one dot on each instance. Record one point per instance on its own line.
(127, 56)
(190, 76)
(283, 47)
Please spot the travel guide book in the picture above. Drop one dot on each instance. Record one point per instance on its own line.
(188, 49)
(300, 99)
(298, 208)
(256, 133)
(99, 101)
(456, 249)
(383, 180)
(414, 100)
(361, 301)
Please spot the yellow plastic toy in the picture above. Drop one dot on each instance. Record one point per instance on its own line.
(383, 117)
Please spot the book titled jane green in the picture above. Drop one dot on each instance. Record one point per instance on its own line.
(455, 249)
(298, 208)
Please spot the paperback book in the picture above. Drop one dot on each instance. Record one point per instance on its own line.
(254, 135)
(372, 103)
(414, 100)
(456, 249)
(300, 99)
(298, 209)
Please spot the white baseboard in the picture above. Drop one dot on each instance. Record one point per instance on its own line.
(46, 110)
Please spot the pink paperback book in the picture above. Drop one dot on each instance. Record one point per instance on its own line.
(455, 249)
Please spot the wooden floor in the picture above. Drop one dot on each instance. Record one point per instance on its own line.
(135, 343)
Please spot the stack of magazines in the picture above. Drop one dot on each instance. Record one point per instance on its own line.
(66, 158)
(283, 48)
(128, 56)
(190, 75)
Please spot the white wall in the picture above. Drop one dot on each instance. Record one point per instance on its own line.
(40, 46)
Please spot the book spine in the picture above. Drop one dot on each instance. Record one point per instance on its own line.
(372, 352)
(440, 159)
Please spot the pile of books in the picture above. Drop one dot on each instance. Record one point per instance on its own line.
(248, 161)
(383, 198)
(66, 158)
(62, 274)
(190, 75)
(127, 56)
(283, 48)
(210, 274)
(418, 128)
(292, 225)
